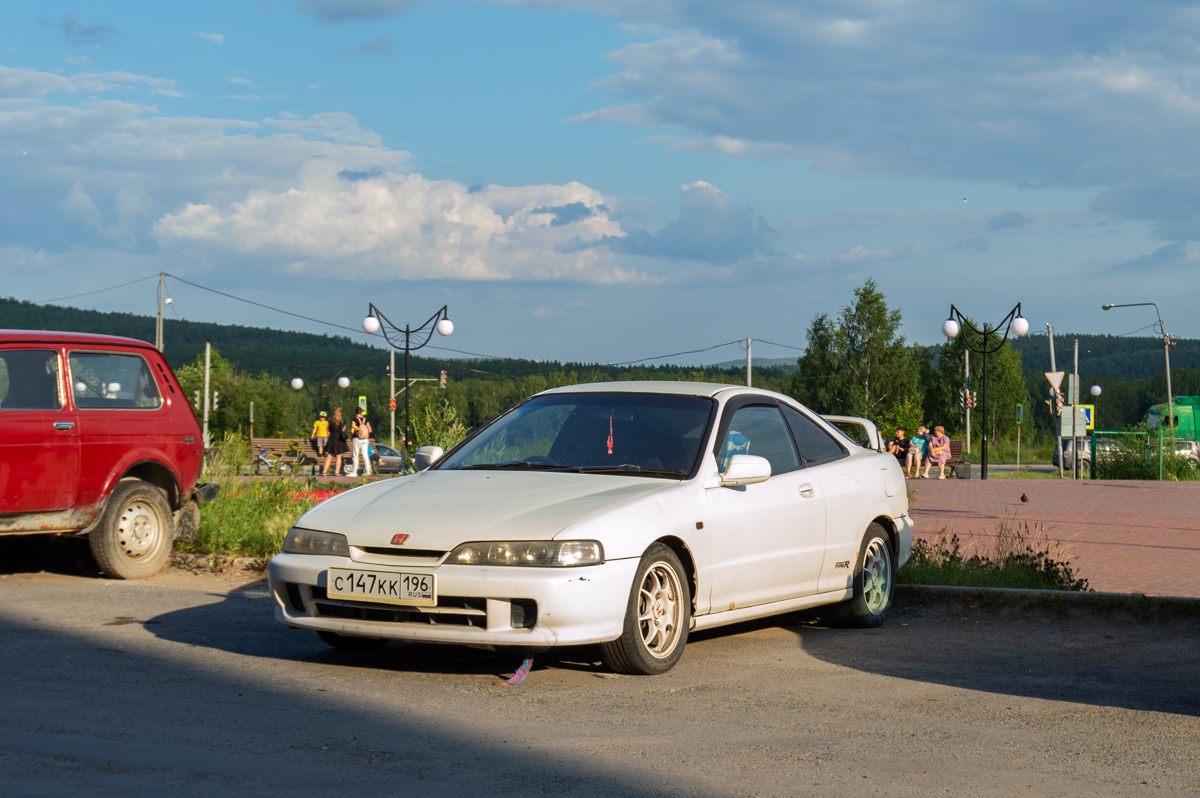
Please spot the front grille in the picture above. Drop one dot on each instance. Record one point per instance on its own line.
(396, 556)
(450, 611)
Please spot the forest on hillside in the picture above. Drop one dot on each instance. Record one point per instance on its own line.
(911, 383)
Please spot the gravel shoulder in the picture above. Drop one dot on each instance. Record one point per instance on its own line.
(184, 683)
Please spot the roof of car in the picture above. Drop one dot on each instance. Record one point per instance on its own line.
(52, 337)
(662, 386)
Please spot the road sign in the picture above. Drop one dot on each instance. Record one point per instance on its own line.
(1020, 412)
(362, 402)
(1056, 378)
(1090, 411)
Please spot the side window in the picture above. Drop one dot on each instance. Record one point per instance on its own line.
(816, 445)
(29, 380)
(112, 380)
(760, 431)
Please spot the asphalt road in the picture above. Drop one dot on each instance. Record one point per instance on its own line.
(184, 685)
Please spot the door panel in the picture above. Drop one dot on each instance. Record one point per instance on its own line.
(39, 437)
(767, 539)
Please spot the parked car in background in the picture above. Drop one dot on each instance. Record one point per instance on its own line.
(98, 440)
(622, 514)
(387, 459)
(1068, 454)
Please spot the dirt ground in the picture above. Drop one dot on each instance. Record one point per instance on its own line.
(184, 683)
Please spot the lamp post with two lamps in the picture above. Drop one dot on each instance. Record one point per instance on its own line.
(301, 382)
(1014, 322)
(414, 338)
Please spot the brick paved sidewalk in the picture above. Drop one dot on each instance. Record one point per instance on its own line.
(1125, 537)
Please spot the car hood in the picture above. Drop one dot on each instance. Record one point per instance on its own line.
(441, 509)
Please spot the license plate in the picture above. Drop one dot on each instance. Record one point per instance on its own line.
(385, 587)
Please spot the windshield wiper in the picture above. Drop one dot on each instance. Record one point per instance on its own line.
(522, 464)
(630, 468)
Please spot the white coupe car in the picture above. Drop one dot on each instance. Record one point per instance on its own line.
(623, 514)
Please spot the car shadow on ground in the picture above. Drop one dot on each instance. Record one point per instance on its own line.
(1072, 654)
(56, 554)
(258, 635)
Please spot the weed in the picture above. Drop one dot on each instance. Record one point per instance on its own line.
(1021, 557)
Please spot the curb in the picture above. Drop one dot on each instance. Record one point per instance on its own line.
(1072, 596)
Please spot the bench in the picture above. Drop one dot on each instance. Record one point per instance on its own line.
(955, 463)
(292, 452)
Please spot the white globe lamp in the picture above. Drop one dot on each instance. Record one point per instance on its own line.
(1096, 390)
(370, 325)
(950, 328)
(297, 383)
(445, 327)
(343, 382)
(1019, 326)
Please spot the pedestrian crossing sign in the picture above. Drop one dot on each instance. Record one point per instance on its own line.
(1089, 412)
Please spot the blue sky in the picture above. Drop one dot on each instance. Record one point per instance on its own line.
(606, 180)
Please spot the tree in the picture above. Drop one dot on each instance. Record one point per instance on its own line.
(859, 365)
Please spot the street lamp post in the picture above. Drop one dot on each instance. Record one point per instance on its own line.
(301, 382)
(414, 338)
(162, 303)
(1166, 354)
(1014, 322)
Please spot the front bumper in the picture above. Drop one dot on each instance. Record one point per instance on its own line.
(477, 605)
(904, 539)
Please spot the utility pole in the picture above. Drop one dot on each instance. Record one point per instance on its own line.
(1054, 402)
(207, 396)
(158, 322)
(1075, 439)
(748, 340)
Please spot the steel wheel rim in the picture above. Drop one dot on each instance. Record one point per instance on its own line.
(877, 576)
(660, 610)
(139, 532)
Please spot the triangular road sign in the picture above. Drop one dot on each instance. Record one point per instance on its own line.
(1056, 378)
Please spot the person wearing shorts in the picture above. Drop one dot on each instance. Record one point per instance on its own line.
(320, 433)
(918, 446)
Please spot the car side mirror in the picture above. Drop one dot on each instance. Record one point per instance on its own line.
(427, 456)
(746, 469)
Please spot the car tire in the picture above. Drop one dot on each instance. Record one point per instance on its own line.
(351, 642)
(133, 539)
(874, 582)
(657, 617)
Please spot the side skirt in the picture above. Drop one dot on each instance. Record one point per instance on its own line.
(727, 617)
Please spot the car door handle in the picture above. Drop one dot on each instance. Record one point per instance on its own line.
(64, 425)
(806, 490)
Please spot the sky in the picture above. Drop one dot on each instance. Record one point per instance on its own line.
(605, 180)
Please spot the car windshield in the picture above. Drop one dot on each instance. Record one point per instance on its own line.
(655, 435)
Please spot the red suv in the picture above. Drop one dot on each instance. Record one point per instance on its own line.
(97, 439)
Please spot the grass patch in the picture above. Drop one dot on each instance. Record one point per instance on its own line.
(1021, 557)
(250, 518)
(1023, 474)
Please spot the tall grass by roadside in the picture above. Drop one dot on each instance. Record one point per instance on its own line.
(251, 517)
(1020, 557)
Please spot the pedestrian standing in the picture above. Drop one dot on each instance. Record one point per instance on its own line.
(360, 434)
(337, 443)
(320, 433)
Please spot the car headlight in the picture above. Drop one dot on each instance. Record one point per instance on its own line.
(310, 541)
(535, 553)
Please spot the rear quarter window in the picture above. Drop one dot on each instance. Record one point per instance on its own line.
(108, 380)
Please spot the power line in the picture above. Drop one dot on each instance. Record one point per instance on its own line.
(785, 346)
(261, 305)
(98, 291)
(226, 348)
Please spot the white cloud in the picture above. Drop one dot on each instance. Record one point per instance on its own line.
(351, 10)
(19, 82)
(214, 38)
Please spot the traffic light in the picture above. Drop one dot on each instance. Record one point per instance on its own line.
(442, 381)
(215, 396)
(197, 402)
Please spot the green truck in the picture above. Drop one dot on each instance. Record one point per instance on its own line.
(1187, 417)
